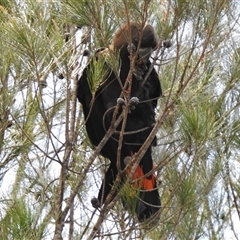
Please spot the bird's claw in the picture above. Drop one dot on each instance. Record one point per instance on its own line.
(95, 202)
(121, 101)
(127, 160)
(131, 47)
(134, 101)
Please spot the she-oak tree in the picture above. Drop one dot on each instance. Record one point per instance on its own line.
(49, 170)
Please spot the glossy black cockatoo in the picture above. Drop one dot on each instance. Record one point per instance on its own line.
(141, 93)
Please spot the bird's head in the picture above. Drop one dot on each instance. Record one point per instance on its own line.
(135, 38)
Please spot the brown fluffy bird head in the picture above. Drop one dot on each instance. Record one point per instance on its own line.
(135, 35)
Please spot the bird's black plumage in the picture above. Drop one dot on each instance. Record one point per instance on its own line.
(98, 109)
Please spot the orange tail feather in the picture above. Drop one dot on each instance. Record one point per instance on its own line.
(141, 182)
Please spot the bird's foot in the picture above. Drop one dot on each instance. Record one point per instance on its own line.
(121, 101)
(166, 44)
(95, 202)
(134, 101)
(127, 160)
(131, 46)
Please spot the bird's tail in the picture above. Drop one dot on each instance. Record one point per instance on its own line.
(148, 202)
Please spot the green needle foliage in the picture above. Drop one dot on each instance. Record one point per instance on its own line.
(19, 222)
(47, 175)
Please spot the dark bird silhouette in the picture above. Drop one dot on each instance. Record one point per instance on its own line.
(141, 93)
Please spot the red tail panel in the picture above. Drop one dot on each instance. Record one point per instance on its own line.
(141, 182)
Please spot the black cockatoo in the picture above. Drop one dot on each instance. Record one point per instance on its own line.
(143, 93)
